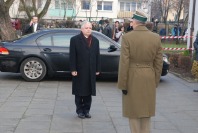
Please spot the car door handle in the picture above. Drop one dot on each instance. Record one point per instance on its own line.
(47, 50)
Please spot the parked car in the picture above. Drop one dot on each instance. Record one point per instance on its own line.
(46, 52)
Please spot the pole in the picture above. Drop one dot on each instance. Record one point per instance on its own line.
(192, 23)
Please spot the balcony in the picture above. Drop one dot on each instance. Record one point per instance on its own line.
(125, 14)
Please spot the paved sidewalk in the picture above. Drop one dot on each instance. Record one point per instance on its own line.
(48, 107)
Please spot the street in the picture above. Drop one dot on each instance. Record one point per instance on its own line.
(48, 107)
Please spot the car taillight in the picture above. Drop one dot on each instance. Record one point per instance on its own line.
(4, 51)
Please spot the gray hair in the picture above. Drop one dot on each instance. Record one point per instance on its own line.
(85, 22)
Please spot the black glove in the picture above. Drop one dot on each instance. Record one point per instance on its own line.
(124, 92)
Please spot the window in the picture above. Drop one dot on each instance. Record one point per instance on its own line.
(108, 6)
(133, 6)
(56, 39)
(99, 5)
(138, 5)
(63, 5)
(45, 40)
(85, 5)
(69, 5)
(104, 5)
(104, 43)
(62, 39)
(128, 7)
(121, 6)
(57, 5)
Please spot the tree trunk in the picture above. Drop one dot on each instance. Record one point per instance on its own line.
(7, 32)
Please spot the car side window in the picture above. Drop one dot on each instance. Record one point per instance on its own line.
(56, 39)
(104, 43)
(62, 39)
(45, 40)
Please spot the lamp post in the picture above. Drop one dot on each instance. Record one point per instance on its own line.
(192, 25)
(149, 9)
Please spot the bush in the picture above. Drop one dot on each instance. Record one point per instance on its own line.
(186, 53)
(174, 60)
(70, 24)
(194, 69)
(185, 62)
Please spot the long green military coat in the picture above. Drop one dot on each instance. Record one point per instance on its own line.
(140, 69)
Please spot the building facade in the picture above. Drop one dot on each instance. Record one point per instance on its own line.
(82, 9)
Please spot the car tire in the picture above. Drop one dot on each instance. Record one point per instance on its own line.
(33, 69)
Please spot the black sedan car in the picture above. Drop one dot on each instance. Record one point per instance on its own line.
(46, 52)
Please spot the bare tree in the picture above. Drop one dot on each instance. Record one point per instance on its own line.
(35, 9)
(155, 10)
(7, 32)
(75, 8)
(163, 6)
(178, 6)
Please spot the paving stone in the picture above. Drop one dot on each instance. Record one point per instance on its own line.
(33, 125)
(7, 129)
(49, 107)
(98, 127)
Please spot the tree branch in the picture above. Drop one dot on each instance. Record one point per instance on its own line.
(26, 9)
(34, 7)
(9, 3)
(45, 9)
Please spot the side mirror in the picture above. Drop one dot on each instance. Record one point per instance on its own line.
(112, 48)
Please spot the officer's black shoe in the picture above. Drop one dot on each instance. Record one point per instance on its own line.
(81, 115)
(195, 90)
(87, 115)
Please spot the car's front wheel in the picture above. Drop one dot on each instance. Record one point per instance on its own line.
(33, 69)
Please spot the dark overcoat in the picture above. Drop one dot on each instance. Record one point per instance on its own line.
(140, 68)
(196, 48)
(86, 61)
(29, 29)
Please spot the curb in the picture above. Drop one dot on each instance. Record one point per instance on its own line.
(186, 79)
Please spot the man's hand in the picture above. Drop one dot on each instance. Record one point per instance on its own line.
(31, 22)
(97, 73)
(74, 73)
(124, 92)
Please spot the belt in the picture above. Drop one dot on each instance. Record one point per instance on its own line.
(141, 64)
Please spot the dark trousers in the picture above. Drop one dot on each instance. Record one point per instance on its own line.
(83, 104)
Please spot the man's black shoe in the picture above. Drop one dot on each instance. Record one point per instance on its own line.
(195, 90)
(87, 115)
(81, 115)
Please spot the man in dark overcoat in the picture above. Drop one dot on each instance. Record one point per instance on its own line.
(84, 65)
(196, 48)
(107, 29)
(139, 73)
(32, 27)
(196, 51)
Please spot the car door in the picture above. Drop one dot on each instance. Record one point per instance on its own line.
(109, 60)
(55, 48)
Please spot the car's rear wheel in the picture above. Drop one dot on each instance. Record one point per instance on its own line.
(33, 69)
